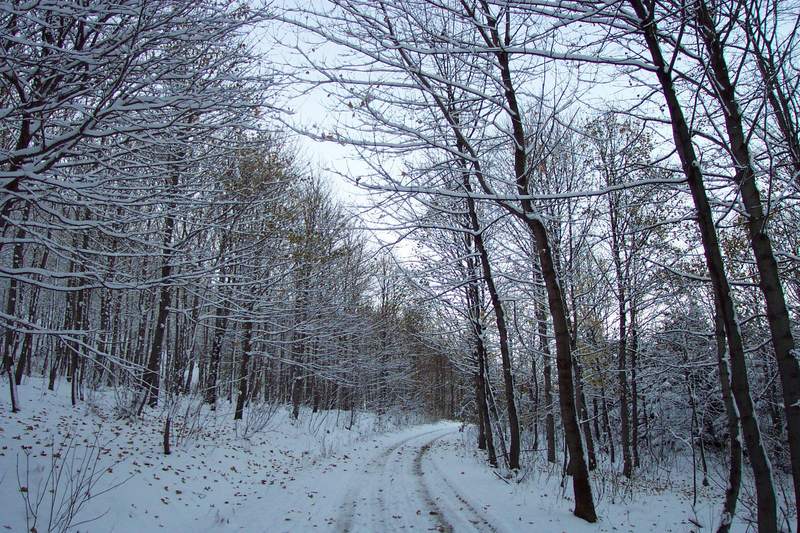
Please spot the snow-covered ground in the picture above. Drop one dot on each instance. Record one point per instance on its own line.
(311, 475)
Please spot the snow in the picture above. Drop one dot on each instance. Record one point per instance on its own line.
(535, 501)
(306, 475)
(209, 477)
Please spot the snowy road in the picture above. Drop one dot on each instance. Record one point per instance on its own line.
(399, 490)
(425, 479)
(314, 475)
(393, 484)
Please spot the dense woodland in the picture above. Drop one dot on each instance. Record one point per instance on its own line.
(580, 231)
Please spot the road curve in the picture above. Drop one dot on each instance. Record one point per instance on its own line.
(400, 490)
(448, 499)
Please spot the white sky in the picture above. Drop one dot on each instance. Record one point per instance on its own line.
(310, 110)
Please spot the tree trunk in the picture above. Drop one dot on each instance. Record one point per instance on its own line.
(607, 420)
(473, 298)
(580, 400)
(167, 436)
(79, 312)
(74, 348)
(296, 390)
(760, 243)
(596, 419)
(735, 445)
(10, 338)
(582, 490)
(481, 440)
(634, 349)
(622, 331)
(549, 419)
(502, 331)
(696, 438)
(622, 371)
(152, 373)
(544, 347)
(247, 348)
(762, 470)
(534, 392)
(220, 325)
(484, 407)
(494, 416)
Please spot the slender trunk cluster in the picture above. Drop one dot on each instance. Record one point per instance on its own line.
(762, 470)
(758, 233)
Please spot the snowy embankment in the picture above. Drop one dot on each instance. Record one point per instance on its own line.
(537, 502)
(311, 475)
(212, 472)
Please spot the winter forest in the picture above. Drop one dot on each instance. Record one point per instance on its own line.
(432, 265)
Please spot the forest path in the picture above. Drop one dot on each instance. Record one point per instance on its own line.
(430, 478)
(390, 483)
(402, 489)
(313, 475)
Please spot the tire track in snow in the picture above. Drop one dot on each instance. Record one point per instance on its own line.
(435, 511)
(375, 467)
(477, 520)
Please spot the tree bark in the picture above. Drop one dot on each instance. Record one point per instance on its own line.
(473, 298)
(10, 338)
(582, 491)
(490, 449)
(549, 419)
(493, 417)
(622, 343)
(634, 389)
(220, 325)
(762, 470)
(502, 331)
(732, 416)
(152, 373)
(247, 348)
(760, 243)
(580, 400)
